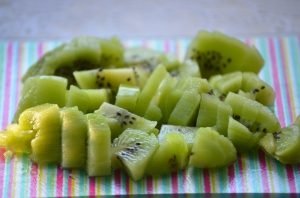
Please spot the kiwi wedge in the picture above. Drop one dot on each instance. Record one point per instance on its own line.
(171, 155)
(41, 89)
(98, 146)
(44, 120)
(127, 96)
(133, 149)
(217, 53)
(120, 119)
(73, 138)
(211, 149)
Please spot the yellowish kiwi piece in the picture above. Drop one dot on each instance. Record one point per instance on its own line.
(120, 119)
(171, 155)
(98, 146)
(87, 100)
(44, 120)
(187, 132)
(16, 139)
(74, 138)
(127, 96)
(211, 149)
(39, 90)
(132, 150)
(217, 53)
(150, 89)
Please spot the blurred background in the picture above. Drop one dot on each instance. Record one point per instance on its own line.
(44, 20)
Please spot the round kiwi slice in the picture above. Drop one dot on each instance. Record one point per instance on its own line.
(132, 150)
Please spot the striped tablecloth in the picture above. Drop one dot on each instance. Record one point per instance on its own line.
(252, 173)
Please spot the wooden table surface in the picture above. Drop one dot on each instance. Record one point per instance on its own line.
(41, 20)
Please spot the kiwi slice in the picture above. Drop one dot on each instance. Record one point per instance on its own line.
(133, 149)
(39, 90)
(189, 68)
(217, 53)
(255, 116)
(242, 138)
(231, 82)
(98, 146)
(171, 155)
(187, 132)
(211, 149)
(185, 110)
(127, 96)
(120, 119)
(261, 91)
(73, 138)
(87, 100)
(44, 120)
(81, 53)
(207, 114)
(150, 89)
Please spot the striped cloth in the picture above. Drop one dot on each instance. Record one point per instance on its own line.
(252, 173)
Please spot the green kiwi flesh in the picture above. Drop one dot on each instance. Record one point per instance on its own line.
(217, 53)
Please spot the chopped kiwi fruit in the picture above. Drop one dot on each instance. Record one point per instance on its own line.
(283, 145)
(87, 100)
(153, 112)
(120, 119)
(231, 82)
(243, 139)
(185, 111)
(255, 116)
(189, 68)
(73, 138)
(39, 90)
(171, 155)
(261, 91)
(81, 53)
(127, 96)
(149, 59)
(132, 150)
(98, 146)
(187, 132)
(112, 52)
(16, 139)
(150, 89)
(213, 113)
(44, 120)
(211, 149)
(217, 53)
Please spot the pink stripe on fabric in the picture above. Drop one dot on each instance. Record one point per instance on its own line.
(59, 182)
(33, 180)
(231, 179)
(207, 187)
(7, 87)
(117, 182)
(174, 181)
(264, 172)
(167, 46)
(70, 183)
(92, 184)
(149, 185)
(276, 80)
(291, 178)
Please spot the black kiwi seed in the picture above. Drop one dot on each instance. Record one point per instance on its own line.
(126, 116)
(108, 84)
(236, 117)
(277, 135)
(128, 79)
(138, 143)
(255, 90)
(119, 114)
(130, 122)
(264, 130)
(262, 87)
(229, 60)
(124, 123)
(133, 118)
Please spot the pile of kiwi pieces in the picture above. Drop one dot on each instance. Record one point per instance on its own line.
(93, 104)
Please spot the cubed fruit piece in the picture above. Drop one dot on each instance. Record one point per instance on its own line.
(211, 150)
(133, 149)
(87, 100)
(98, 146)
(120, 119)
(74, 138)
(218, 53)
(44, 121)
(42, 89)
(127, 96)
(171, 155)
